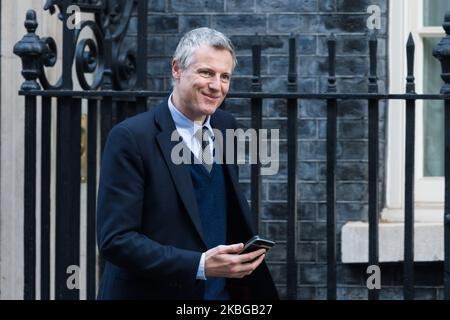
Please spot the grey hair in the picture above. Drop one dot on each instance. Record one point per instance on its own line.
(196, 38)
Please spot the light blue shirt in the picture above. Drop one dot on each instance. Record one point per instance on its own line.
(187, 129)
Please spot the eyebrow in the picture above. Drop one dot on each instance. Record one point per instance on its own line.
(211, 69)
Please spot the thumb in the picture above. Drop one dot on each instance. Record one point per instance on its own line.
(233, 248)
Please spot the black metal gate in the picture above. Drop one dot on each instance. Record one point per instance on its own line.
(118, 90)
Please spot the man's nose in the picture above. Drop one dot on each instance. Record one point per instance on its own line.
(214, 84)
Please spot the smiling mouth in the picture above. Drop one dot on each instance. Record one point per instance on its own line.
(211, 97)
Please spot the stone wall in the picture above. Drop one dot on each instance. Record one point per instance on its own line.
(311, 22)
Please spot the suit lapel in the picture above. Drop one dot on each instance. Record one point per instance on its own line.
(180, 173)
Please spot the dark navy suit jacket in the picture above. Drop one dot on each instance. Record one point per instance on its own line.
(148, 225)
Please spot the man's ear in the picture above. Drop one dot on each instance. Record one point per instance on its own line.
(176, 70)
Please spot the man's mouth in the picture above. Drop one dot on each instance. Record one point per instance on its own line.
(210, 96)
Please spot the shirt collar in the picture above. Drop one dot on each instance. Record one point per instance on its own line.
(184, 123)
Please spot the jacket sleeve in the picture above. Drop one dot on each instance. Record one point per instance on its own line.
(119, 216)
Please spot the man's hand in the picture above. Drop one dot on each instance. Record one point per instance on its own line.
(225, 261)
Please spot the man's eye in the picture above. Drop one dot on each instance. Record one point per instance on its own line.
(205, 73)
(226, 77)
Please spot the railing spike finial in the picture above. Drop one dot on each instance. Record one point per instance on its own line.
(446, 24)
(410, 42)
(31, 49)
(256, 61)
(373, 44)
(31, 23)
(331, 63)
(292, 73)
(410, 48)
(332, 37)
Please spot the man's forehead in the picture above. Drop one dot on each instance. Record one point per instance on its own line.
(213, 57)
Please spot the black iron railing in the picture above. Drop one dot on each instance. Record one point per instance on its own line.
(116, 72)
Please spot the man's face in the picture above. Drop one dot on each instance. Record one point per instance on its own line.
(201, 88)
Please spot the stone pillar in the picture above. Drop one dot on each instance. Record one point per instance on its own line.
(12, 143)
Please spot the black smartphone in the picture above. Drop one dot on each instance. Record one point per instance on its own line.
(256, 243)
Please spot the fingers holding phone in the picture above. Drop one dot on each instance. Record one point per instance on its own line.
(257, 243)
(256, 247)
(252, 255)
(225, 261)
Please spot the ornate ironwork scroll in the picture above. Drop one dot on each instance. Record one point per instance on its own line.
(105, 56)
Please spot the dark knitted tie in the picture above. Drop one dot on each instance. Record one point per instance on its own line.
(205, 155)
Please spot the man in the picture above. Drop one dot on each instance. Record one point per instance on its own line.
(175, 231)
